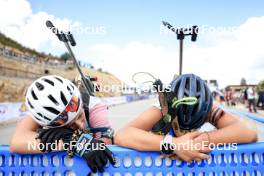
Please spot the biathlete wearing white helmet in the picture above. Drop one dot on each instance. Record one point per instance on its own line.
(53, 101)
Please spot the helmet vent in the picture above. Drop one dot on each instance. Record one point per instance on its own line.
(34, 95)
(72, 86)
(187, 84)
(63, 99)
(69, 90)
(42, 116)
(39, 86)
(198, 86)
(52, 110)
(46, 118)
(206, 94)
(53, 100)
(195, 108)
(30, 104)
(49, 81)
(59, 79)
(177, 87)
(37, 117)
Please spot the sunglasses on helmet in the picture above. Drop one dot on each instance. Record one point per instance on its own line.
(63, 117)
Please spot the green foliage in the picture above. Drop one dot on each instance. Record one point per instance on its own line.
(65, 56)
(260, 86)
(243, 82)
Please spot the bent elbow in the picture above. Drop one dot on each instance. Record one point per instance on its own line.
(12, 147)
(119, 138)
(254, 136)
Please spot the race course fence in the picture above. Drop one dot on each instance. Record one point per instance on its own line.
(245, 160)
(248, 159)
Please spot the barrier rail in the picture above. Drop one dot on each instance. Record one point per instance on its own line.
(248, 159)
(247, 114)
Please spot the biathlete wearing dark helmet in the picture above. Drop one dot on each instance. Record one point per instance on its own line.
(190, 105)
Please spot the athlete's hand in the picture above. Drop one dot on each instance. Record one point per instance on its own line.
(203, 141)
(186, 148)
(54, 135)
(94, 152)
(97, 159)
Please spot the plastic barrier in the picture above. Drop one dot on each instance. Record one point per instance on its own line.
(247, 114)
(246, 160)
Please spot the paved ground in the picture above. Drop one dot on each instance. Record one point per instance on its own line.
(121, 114)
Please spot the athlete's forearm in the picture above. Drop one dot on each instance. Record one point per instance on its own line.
(235, 133)
(25, 143)
(138, 139)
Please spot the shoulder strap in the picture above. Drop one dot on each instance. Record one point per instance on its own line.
(86, 101)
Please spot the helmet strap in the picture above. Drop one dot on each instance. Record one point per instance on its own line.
(163, 104)
(176, 128)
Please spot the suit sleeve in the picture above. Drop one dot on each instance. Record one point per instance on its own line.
(215, 114)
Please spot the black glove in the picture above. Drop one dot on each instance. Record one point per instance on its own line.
(52, 135)
(94, 152)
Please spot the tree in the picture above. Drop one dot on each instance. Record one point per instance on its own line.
(243, 82)
(65, 56)
(260, 86)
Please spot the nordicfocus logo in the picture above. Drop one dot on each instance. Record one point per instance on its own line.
(190, 145)
(73, 145)
(123, 88)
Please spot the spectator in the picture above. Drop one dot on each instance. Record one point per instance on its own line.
(233, 97)
(246, 97)
(228, 96)
(260, 103)
(251, 99)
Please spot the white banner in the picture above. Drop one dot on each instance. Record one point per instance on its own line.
(114, 100)
(11, 111)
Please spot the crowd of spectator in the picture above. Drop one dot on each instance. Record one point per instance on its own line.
(254, 99)
(12, 53)
(248, 96)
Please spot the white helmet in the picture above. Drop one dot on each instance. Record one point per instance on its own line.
(54, 101)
